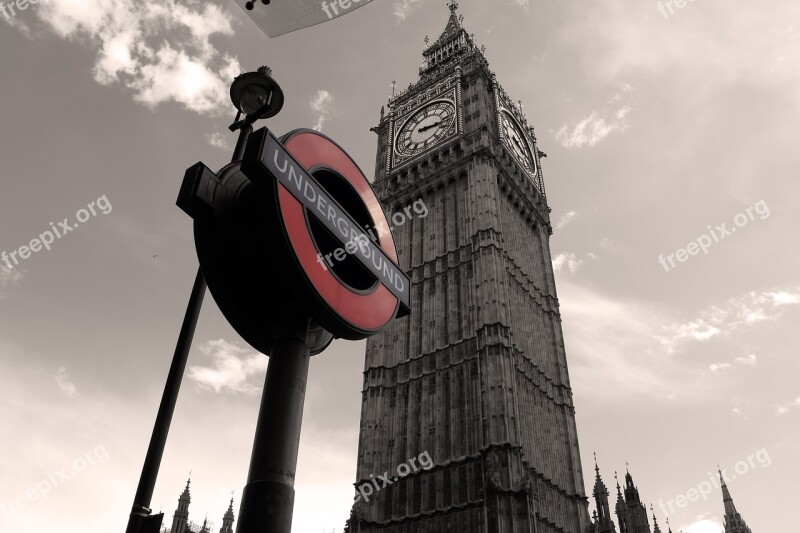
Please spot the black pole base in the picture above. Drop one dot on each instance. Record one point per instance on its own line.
(266, 507)
(268, 497)
(139, 523)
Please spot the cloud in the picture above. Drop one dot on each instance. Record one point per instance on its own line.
(785, 408)
(219, 140)
(612, 349)
(770, 51)
(566, 218)
(599, 124)
(716, 367)
(232, 368)
(568, 260)
(737, 408)
(321, 104)
(65, 384)
(161, 50)
(733, 315)
(8, 277)
(750, 360)
(403, 9)
(703, 525)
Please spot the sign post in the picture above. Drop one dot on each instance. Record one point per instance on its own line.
(258, 96)
(261, 226)
(268, 496)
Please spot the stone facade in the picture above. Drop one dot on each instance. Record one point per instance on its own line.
(477, 374)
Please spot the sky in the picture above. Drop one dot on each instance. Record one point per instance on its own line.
(671, 172)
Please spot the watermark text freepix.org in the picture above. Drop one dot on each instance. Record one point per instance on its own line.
(357, 243)
(331, 8)
(365, 490)
(42, 489)
(704, 488)
(21, 5)
(56, 231)
(662, 7)
(714, 235)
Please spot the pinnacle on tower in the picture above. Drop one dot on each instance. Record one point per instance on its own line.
(656, 529)
(228, 518)
(180, 520)
(734, 523)
(602, 518)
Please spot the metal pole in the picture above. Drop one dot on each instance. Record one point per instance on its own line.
(140, 520)
(152, 462)
(245, 129)
(268, 497)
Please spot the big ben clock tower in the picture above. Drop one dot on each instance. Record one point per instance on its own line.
(475, 378)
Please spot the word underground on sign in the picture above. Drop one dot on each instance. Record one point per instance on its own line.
(359, 243)
(304, 188)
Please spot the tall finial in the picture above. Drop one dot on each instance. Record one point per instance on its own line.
(394, 86)
(453, 5)
(656, 529)
(596, 468)
(427, 40)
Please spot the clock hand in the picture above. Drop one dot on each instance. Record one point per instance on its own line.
(426, 128)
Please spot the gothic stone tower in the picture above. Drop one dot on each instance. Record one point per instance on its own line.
(602, 514)
(734, 523)
(631, 512)
(477, 374)
(180, 520)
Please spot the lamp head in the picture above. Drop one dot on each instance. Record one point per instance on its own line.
(250, 92)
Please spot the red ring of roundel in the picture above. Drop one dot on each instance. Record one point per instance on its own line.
(365, 311)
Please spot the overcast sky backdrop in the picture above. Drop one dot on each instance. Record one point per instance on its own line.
(655, 128)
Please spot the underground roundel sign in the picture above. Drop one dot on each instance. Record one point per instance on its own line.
(295, 226)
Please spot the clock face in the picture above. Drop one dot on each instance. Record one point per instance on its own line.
(516, 142)
(425, 128)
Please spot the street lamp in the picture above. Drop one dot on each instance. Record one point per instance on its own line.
(258, 96)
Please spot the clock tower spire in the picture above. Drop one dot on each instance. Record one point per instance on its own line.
(476, 376)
